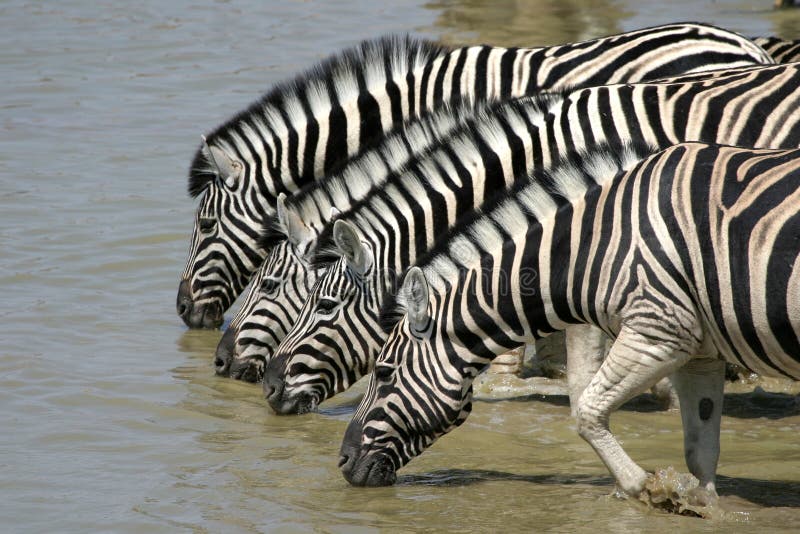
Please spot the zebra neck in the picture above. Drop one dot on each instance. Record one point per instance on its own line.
(507, 290)
(371, 169)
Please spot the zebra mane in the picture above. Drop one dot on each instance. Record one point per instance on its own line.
(272, 233)
(539, 197)
(355, 180)
(373, 59)
(325, 252)
(202, 172)
(392, 310)
(482, 124)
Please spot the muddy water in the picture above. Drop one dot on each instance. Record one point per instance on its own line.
(111, 417)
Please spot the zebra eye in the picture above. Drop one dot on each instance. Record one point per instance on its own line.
(269, 285)
(384, 372)
(326, 306)
(207, 224)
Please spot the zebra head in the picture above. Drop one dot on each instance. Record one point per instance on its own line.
(278, 291)
(224, 250)
(418, 391)
(336, 336)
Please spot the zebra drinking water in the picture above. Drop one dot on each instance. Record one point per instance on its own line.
(337, 334)
(285, 279)
(689, 258)
(308, 127)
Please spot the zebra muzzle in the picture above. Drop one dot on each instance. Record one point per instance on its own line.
(361, 468)
(223, 356)
(207, 314)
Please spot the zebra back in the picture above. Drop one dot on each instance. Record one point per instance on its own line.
(781, 50)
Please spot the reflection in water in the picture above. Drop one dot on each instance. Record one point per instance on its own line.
(526, 22)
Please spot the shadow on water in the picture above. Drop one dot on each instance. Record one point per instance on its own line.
(760, 403)
(751, 405)
(643, 403)
(765, 493)
(467, 477)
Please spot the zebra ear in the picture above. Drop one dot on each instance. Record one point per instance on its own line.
(229, 170)
(349, 244)
(296, 230)
(415, 286)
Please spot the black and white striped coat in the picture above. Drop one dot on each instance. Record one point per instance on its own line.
(307, 127)
(690, 258)
(337, 334)
(781, 50)
(284, 280)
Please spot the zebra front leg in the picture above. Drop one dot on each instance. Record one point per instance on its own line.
(586, 348)
(633, 364)
(699, 385)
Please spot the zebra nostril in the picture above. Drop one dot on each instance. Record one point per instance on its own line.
(219, 363)
(343, 459)
(184, 300)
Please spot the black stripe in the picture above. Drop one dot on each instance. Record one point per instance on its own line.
(480, 73)
(438, 84)
(507, 71)
(458, 70)
(312, 138)
(336, 147)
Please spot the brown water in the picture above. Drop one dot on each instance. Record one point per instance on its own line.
(112, 419)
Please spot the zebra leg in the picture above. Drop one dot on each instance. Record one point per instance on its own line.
(586, 348)
(699, 385)
(633, 364)
(664, 392)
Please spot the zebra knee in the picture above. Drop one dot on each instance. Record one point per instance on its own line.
(590, 424)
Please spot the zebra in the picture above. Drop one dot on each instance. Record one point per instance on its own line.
(781, 50)
(285, 279)
(274, 299)
(309, 126)
(688, 257)
(337, 335)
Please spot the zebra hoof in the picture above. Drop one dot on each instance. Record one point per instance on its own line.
(678, 493)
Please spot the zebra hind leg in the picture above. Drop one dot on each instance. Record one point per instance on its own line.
(586, 348)
(699, 385)
(633, 365)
